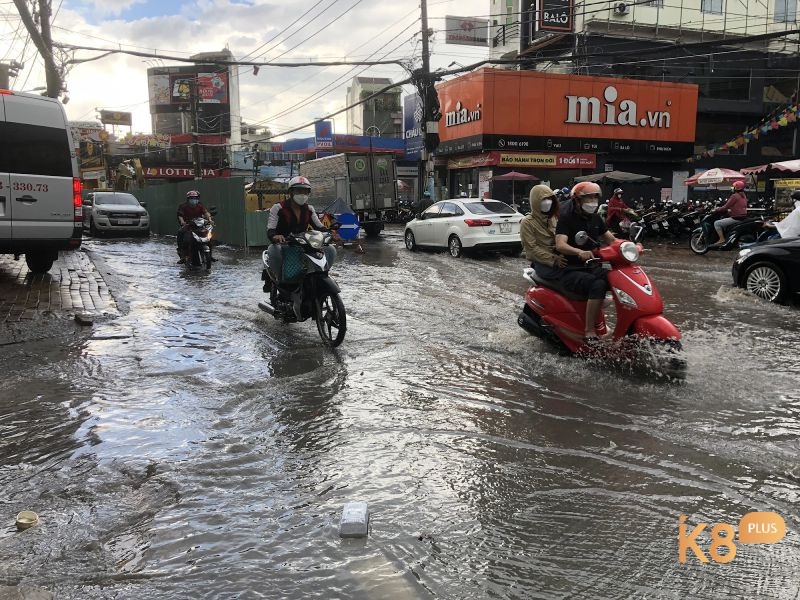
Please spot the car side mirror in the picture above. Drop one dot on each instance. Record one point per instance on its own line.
(87, 202)
(142, 203)
(581, 238)
(420, 216)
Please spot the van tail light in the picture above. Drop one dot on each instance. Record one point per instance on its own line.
(6, 92)
(477, 222)
(77, 201)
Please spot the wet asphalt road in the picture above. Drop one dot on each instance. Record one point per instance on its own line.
(196, 448)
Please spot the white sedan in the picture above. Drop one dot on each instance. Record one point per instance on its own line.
(466, 223)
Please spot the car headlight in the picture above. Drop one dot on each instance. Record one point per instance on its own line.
(624, 297)
(743, 254)
(103, 213)
(315, 239)
(629, 251)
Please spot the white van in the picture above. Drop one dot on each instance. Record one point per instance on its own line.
(41, 210)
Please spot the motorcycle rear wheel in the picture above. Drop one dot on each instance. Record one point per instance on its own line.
(331, 319)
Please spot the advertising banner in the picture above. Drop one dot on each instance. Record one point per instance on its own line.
(159, 89)
(181, 88)
(466, 31)
(108, 117)
(556, 15)
(323, 135)
(90, 155)
(412, 126)
(497, 104)
(212, 88)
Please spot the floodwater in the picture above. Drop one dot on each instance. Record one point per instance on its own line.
(196, 448)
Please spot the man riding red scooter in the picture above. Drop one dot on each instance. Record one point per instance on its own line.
(558, 314)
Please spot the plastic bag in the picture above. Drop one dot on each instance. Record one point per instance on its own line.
(790, 226)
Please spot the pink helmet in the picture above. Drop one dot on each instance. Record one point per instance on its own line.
(585, 188)
(192, 194)
(738, 186)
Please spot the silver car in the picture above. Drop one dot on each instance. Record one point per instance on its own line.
(104, 212)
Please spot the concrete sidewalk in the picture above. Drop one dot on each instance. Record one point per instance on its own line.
(73, 285)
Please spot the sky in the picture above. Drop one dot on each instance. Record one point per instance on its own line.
(277, 98)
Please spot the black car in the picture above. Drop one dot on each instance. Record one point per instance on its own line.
(770, 270)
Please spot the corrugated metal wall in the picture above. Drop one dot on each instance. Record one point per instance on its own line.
(233, 224)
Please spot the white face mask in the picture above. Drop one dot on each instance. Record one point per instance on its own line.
(546, 205)
(301, 199)
(589, 207)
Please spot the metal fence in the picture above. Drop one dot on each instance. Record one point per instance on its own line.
(234, 225)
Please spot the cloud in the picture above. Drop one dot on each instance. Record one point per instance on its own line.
(280, 98)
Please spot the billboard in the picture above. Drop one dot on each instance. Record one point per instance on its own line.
(466, 31)
(158, 86)
(412, 126)
(527, 110)
(212, 88)
(110, 117)
(556, 15)
(323, 135)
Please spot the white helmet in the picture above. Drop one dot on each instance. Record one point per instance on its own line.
(300, 184)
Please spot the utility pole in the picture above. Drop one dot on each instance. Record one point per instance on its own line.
(193, 101)
(51, 74)
(45, 47)
(5, 82)
(422, 89)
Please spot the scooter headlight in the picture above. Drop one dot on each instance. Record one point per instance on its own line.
(625, 298)
(315, 239)
(629, 251)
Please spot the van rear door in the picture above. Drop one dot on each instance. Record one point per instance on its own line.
(5, 181)
(41, 164)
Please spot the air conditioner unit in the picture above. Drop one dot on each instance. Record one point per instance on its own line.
(621, 9)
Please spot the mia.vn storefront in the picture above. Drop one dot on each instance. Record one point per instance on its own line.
(557, 127)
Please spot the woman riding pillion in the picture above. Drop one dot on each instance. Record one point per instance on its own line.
(577, 278)
(292, 216)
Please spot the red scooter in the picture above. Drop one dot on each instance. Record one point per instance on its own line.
(556, 315)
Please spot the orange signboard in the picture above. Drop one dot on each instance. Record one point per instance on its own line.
(550, 105)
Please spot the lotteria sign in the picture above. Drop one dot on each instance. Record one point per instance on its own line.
(499, 102)
(182, 172)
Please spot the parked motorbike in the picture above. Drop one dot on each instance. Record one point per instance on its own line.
(306, 290)
(200, 235)
(557, 315)
(742, 232)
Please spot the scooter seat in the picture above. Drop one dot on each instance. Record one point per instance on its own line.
(555, 284)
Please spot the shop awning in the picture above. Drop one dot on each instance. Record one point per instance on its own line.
(786, 166)
(618, 177)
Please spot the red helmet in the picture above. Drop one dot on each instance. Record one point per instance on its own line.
(738, 186)
(192, 194)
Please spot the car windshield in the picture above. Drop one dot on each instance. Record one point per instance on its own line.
(488, 208)
(118, 199)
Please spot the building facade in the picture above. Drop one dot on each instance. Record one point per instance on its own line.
(557, 127)
(199, 100)
(381, 116)
(747, 72)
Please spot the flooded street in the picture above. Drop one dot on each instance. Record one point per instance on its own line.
(194, 447)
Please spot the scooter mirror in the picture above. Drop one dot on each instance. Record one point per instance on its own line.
(581, 238)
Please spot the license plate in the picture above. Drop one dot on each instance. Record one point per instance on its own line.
(124, 222)
(505, 227)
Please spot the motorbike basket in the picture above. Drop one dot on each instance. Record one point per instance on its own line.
(293, 263)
